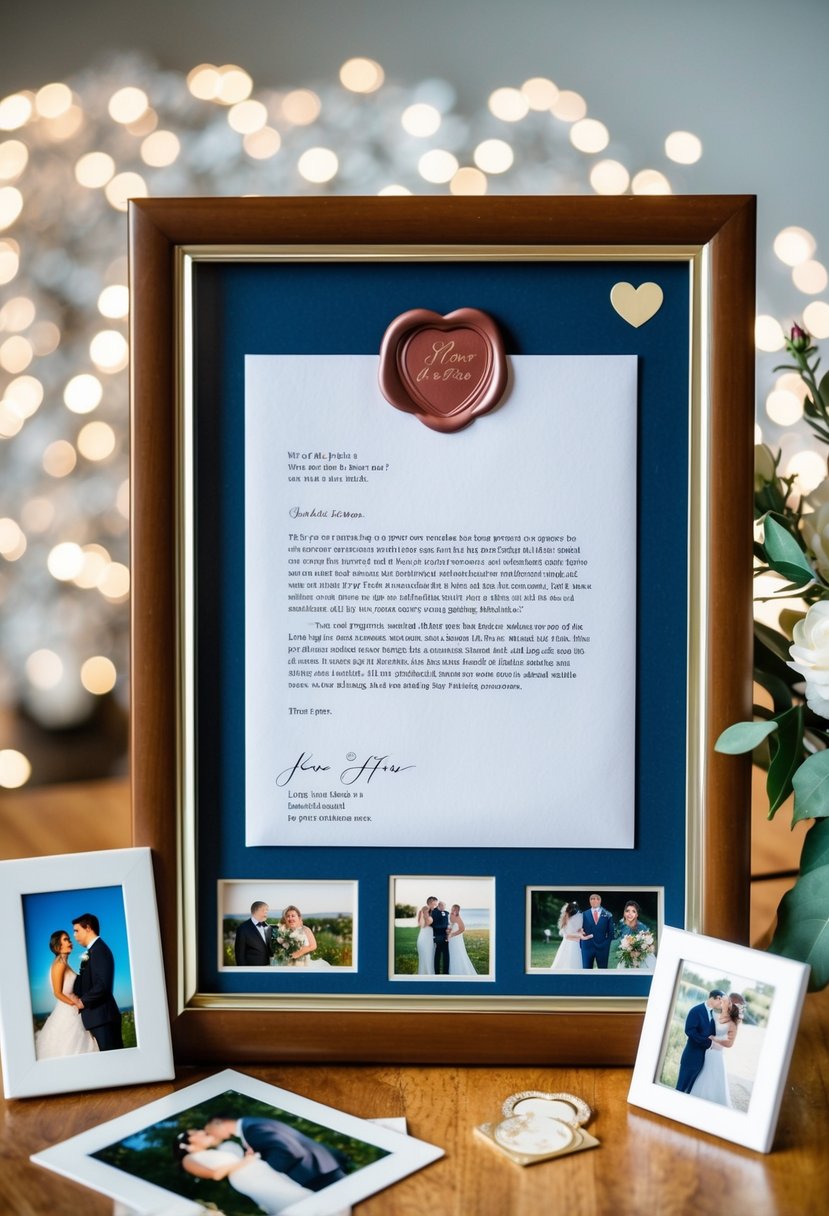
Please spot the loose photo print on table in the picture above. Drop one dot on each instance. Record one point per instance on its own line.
(85, 1004)
(442, 927)
(298, 926)
(238, 1146)
(576, 929)
(718, 1035)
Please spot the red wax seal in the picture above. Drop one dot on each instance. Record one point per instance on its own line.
(444, 370)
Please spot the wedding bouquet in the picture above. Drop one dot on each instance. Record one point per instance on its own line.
(286, 942)
(790, 736)
(634, 948)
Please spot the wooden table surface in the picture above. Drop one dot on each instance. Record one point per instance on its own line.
(644, 1163)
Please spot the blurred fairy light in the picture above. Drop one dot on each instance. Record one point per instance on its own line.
(809, 468)
(816, 318)
(784, 407)
(683, 147)
(73, 152)
(235, 85)
(510, 105)
(98, 675)
(53, 100)
(318, 165)
(540, 92)
(810, 277)
(160, 149)
(14, 156)
(15, 112)
(44, 669)
(468, 181)
(421, 119)
(301, 107)
(15, 769)
(650, 181)
(609, 177)
(794, 245)
(437, 166)
(768, 333)
(83, 393)
(361, 75)
(94, 169)
(128, 104)
(589, 135)
(569, 106)
(11, 204)
(494, 156)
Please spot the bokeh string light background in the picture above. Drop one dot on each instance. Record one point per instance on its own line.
(73, 153)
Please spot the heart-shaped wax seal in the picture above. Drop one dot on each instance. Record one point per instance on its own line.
(446, 370)
(636, 305)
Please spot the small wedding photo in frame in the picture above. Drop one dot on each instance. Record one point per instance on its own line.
(718, 1036)
(83, 1005)
(599, 928)
(442, 928)
(296, 927)
(239, 1146)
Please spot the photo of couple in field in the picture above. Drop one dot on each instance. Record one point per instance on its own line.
(306, 927)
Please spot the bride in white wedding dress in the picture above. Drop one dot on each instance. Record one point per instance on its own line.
(199, 1154)
(425, 940)
(568, 956)
(459, 961)
(63, 1034)
(291, 924)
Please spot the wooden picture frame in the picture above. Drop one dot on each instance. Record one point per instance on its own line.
(711, 239)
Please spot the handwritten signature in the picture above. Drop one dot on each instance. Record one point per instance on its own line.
(365, 771)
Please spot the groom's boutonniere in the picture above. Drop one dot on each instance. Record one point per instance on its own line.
(84, 959)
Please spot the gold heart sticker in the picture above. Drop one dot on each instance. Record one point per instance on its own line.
(636, 305)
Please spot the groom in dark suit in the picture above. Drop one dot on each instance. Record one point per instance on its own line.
(699, 1026)
(440, 930)
(598, 922)
(285, 1150)
(96, 977)
(254, 938)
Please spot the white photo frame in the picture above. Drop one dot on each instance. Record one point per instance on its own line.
(73, 1158)
(687, 961)
(24, 1075)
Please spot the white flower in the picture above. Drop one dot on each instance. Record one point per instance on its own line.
(810, 656)
(815, 527)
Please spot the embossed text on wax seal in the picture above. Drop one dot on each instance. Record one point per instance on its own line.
(446, 370)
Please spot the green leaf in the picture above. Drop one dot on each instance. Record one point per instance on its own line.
(785, 554)
(811, 788)
(802, 929)
(743, 737)
(786, 754)
(815, 847)
(823, 388)
(777, 689)
(773, 640)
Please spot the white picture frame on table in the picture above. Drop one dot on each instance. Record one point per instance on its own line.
(36, 891)
(690, 968)
(80, 1158)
